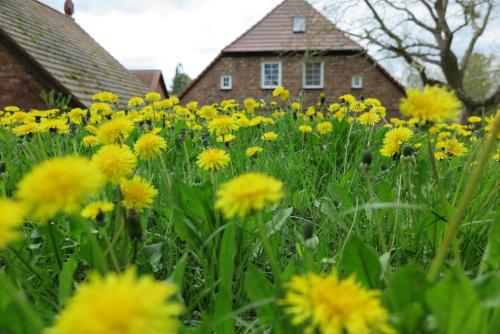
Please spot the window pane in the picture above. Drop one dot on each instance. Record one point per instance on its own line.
(313, 74)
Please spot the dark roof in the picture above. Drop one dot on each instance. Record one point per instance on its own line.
(151, 78)
(274, 32)
(65, 52)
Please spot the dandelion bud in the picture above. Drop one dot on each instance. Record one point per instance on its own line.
(134, 225)
(182, 134)
(100, 217)
(307, 230)
(322, 98)
(408, 151)
(367, 158)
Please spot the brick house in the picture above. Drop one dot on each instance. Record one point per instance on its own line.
(153, 80)
(297, 47)
(42, 49)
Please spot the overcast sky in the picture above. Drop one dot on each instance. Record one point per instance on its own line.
(144, 34)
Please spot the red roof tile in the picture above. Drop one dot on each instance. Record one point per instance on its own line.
(274, 32)
(71, 57)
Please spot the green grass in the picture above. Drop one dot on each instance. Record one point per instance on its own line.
(383, 222)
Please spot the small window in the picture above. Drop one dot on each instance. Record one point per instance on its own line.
(299, 24)
(226, 82)
(357, 82)
(313, 75)
(271, 75)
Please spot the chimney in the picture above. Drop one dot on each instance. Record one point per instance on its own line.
(69, 8)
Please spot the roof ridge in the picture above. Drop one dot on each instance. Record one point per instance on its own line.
(333, 23)
(52, 8)
(256, 24)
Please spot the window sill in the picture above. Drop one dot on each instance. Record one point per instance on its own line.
(313, 87)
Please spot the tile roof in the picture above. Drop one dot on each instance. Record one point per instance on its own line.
(58, 45)
(274, 32)
(151, 78)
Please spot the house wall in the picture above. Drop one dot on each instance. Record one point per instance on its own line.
(338, 70)
(21, 83)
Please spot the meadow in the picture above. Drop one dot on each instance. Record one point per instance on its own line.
(250, 217)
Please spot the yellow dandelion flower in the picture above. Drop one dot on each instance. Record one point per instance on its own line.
(135, 102)
(398, 135)
(248, 193)
(120, 304)
(89, 141)
(149, 146)
(11, 218)
(76, 115)
(115, 131)
(305, 129)
(153, 97)
(222, 125)
(226, 139)
(334, 107)
(281, 92)
(54, 125)
(137, 193)
(496, 157)
(269, 136)
(295, 106)
(115, 162)
(432, 104)
(347, 99)
(106, 97)
(369, 118)
(58, 185)
(454, 148)
(474, 119)
(324, 127)
(249, 104)
(390, 149)
(11, 108)
(207, 112)
(327, 304)
(252, 151)
(440, 155)
(213, 159)
(26, 129)
(357, 106)
(193, 105)
(96, 209)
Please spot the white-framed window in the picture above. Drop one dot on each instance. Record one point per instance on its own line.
(299, 24)
(313, 75)
(357, 82)
(226, 82)
(271, 74)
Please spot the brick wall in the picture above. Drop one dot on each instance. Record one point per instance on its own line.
(338, 71)
(20, 81)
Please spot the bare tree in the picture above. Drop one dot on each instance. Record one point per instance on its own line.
(427, 35)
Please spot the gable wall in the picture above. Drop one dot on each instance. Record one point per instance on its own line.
(338, 70)
(21, 83)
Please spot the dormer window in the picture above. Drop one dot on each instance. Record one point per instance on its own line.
(299, 24)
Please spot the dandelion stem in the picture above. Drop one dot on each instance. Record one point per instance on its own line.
(346, 148)
(54, 244)
(456, 219)
(435, 173)
(378, 222)
(268, 250)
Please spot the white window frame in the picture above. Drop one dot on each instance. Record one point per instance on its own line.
(356, 85)
(322, 76)
(262, 74)
(296, 28)
(224, 87)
